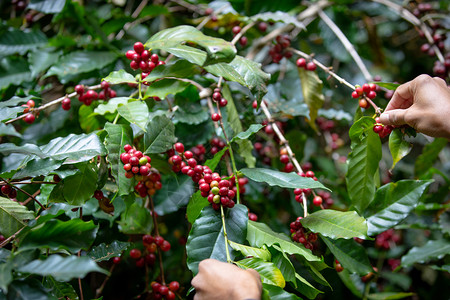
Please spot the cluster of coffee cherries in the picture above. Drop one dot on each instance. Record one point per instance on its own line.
(279, 49)
(30, 116)
(299, 234)
(217, 97)
(366, 90)
(152, 243)
(9, 191)
(243, 40)
(148, 185)
(162, 291)
(143, 59)
(88, 96)
(217, 190)
(307, 65)
(217, 144)
(382, 130)
(135, 162)
(265, 152)
(387, 239)
(284, 159)
(337, 266)
(103, 202)
(325, 199)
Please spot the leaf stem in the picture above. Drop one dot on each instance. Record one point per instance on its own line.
(225, 235)
(116, 118)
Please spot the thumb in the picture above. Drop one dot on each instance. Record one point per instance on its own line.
(393, 117)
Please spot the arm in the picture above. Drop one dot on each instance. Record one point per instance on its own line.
(424, 104)
(219, 280)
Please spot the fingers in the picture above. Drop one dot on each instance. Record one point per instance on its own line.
(394, 117)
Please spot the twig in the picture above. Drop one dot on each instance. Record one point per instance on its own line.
(285, 143)
(99, 291)
(134, 15)
(79, 255)
(51, 103)
(334, 75)
(408, 16)
(242, 32)
(30, 198)
(348, 46)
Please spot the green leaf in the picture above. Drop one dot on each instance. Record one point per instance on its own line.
(13, 216)
(179, 69)
(28, 149)
(9, 113)
(269, 273)
(13, 70)
(312, 94)
(78, 62)
(14, 101)
(281, 179)
(254, 128)
(282, 262)
(160, 135)
(47, 6)
(259, 234)
(251, 251)
(195, 206)
(306, 288)
(87, 119)
(74, 148)
(135, 112)
(31, 289)
(255, 79)
(60, 289)
(189, 117)
(72, 235)
(120, 76)
(165, 87)
(433, 249)
(80, 187)
(336, 224)
(398, 146)
(174, 194)
(430, 154)
(39, 167)
(213, 162)
(335, 114)
(363, 163)
(393, 202)
(444, 222)
(111, 105)
(62, 268)
(277, 293)
(353, 282)
(19, 41)
(217, 50)
(351, 255)
(6, 276)
(41, 60)
(245, 146)
(278, 17)
(118, 136)
(206, 238)
(389, 296)
(136, 220)
(104, 252)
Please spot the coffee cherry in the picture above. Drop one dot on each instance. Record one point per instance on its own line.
(174, 286)
(372, 94)
(317, 201)
(284, 159)
(163, 290)
(355, 95)
(6, 189)
(301, 62)
(29, 118)
(338, 268)
(223, 102)
(252, 217)
(165, 246)
(79, 89)
(255, 104)
(65, 104)
(262, 26)
(363, 103)
(243, 41)
(98, 194)
(216, 96)
(138, 47)
(378, 128)
(135, 253)
(311, 66)
(215, 117)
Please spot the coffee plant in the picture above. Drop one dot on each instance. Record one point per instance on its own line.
(139, 138)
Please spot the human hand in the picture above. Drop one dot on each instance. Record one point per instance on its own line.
(423, 103)
(219, 280)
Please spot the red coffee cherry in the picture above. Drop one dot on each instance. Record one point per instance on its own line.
(135, 253)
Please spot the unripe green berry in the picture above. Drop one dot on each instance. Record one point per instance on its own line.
(215, 190)
(143, 160)
(216, 199)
